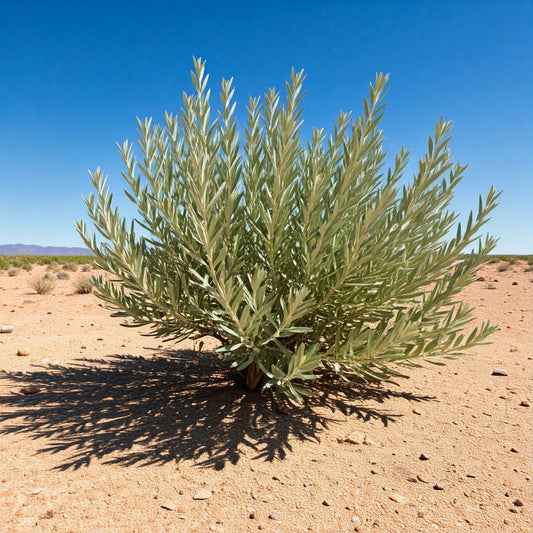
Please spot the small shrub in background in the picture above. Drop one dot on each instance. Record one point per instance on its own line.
(72, 267)
(62, 275)
(504, 267)
(302, 257)
(28, 267)
(12, 272)
(86, 268)
(528, 268)
(83, 285)
(43, 284)
(54, 266)
(493, 260)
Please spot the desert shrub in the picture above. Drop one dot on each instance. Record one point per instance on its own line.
(504, 267)
(528, 268)
(86, 268)
(54, 266)
(62, 275)
(493, 260)
(43, 284)
(301, 258)
(70, 266)
(12, 272)
(83, 285)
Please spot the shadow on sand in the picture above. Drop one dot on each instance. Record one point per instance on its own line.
(176, 405)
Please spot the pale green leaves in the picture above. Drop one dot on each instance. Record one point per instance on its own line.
(300, 256)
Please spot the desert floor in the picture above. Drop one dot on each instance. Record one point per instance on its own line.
(128, 434)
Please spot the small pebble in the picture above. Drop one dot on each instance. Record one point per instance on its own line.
(273, 516)
(31, 389)
(6, 329)
(327, 503)
(500, 372)
(439, 485)
(515, 283)
(83, 347)
(23, 352)
(202, 495)
(423, 457)
(421, 478)
(168, 506)
(412, 479)
(514, 450)
(398, 498)
(416, 412)
(525, 403)
(354, 438)
(518, 503)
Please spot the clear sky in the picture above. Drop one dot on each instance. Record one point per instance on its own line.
(74, 75)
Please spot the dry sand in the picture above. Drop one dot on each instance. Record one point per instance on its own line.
(119, 440)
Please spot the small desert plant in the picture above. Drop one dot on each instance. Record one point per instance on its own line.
(54, 266)
(70, 266)
(43, 284)
(300, 257)
(493, 260)
(62, 275)
(86, 268)
(83, 285)
(12, 272)
(504, 267)
(528, 268)
(28, 267)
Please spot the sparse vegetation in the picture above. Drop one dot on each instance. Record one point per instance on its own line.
(86, 268)
(71, 266)
(62, 275)
(12, 272)
(83, 285)
(43, 284)
(53, 261)
(504, 267)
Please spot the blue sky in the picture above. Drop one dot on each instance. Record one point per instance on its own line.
(74, 75)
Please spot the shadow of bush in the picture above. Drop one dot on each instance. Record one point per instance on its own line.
(179, 405)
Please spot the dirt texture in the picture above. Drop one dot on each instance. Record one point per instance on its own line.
(105, 430)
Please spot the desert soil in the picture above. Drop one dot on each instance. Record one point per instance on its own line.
(129, 434)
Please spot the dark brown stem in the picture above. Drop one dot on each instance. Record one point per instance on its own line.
(253, 376)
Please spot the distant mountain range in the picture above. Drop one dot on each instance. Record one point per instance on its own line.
(33, 249)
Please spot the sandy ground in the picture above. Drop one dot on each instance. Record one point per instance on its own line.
(130, 435)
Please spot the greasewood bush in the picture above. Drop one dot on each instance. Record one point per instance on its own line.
(83, 285)
(301, 256)
(43, 284)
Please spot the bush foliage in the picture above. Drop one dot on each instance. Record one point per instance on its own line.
(43, 284)
(83, 285)
(300, 257)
